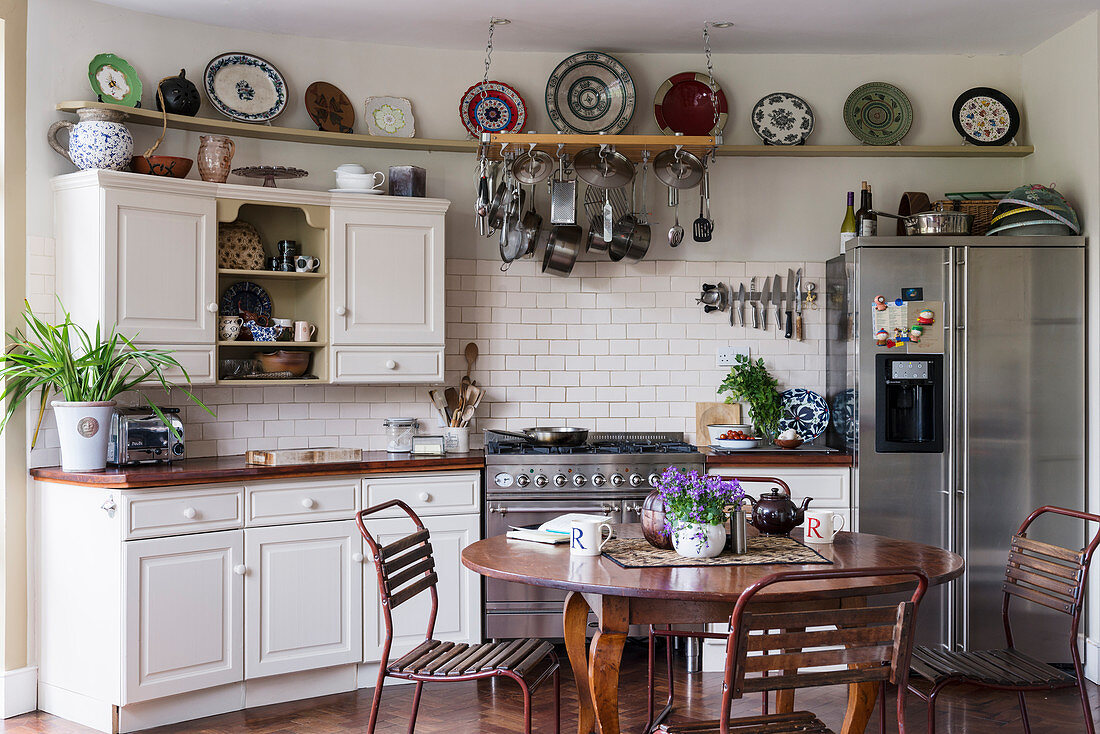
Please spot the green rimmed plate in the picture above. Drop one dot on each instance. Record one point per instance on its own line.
(878, 113)
(114, 80)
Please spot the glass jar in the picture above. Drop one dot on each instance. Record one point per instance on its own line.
(400, 432)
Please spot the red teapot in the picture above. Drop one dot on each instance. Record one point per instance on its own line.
(775, 514)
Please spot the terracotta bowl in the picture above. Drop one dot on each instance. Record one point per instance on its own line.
(171, 166)
(284, 361)
(788, 443)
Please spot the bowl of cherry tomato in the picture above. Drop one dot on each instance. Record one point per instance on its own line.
(716, 431)
(736, 440)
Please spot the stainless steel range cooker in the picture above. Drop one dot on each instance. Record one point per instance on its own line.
(528, 485)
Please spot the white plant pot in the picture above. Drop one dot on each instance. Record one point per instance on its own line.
(84, 429)
(697, 540)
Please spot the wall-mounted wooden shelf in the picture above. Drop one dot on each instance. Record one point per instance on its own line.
(631, 146)
(262, 274)
(875, 151)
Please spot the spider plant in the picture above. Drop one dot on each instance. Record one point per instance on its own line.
(81, 367)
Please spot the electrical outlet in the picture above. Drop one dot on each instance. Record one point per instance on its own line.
(727, 356)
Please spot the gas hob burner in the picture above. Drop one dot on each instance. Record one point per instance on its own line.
(598, 443)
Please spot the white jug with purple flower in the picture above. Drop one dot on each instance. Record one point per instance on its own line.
(695, 511)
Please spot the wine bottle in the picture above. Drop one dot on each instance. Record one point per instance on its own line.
(848, 226)
(866, 219)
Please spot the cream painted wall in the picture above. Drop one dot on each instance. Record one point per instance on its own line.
(766, 209)
(1070, 157)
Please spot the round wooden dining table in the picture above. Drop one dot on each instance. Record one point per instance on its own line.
(620, 597)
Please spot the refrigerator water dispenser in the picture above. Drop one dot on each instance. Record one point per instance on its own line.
(909, 403)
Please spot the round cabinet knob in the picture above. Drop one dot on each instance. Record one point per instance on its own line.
(190, 513)
(579, 480)
(212, 307)
(654, 478)
(240, 569)
(390, 364)
(636, 480)
(523, 480)
(617, 480)
(308, 503)
(357, 557)
(341, 311)
(424, 497)
(598, 480)
(560, 480)
(541, 480)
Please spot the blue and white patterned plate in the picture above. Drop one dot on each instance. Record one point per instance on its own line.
(245, 296)
(244, 87)
(844, 415)
(805, 411)
(782, 118)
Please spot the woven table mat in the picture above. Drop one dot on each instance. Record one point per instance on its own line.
(763, 549)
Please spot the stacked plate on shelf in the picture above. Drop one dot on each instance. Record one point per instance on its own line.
(1034, 210)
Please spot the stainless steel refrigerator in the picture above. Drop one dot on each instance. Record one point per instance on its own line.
(959, 435)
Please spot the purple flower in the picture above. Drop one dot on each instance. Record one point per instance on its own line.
(691, 497)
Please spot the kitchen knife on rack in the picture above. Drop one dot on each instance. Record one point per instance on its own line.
(798, 305)
(789, 329)
(764, 299)
(752, 303)
(740, 306)
(777, 299)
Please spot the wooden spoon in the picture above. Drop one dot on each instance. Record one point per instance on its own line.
(471, 357)
(466, 416)
(452, 400)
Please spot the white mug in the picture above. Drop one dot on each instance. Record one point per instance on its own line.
(304, 331)
(821, 526)
(306, 263)
(585, 537)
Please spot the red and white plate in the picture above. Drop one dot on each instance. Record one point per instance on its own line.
(500, 110)
(683, 104)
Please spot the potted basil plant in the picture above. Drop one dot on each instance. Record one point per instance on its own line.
(750, 382)
(695, 510)
(88, 371)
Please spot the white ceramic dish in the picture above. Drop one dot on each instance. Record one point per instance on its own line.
(715, 430)
(352, 168)
(356, 191)
(749, 443)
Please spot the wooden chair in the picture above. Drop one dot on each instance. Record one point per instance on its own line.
(405, 569)
(876, 644)
(1040, 573)
(667, 633)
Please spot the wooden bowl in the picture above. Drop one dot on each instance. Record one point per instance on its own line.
(171, 166)
(788, 443)
(284, 361)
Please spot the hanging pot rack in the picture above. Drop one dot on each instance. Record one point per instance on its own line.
(496, 146)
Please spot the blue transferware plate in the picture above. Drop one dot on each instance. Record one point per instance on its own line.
(245, 296)
(244, 87)
(844, 415)
(805, 411)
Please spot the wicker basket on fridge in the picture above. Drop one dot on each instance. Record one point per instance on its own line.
(982, 209)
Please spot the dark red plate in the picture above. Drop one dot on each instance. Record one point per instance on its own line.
(683, 105)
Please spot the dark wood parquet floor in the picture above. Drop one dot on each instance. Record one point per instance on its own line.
(496, 708)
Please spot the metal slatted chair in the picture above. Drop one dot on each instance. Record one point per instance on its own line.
(405, 569)
(667, 633)
(875, 644)
(1040, 573)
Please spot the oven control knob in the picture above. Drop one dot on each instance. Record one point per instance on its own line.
(654, 478)
(579, 480)
(598, 480)
(560, 480)
(636, 480)
(541, 480)
(523, 480)
(617, 480)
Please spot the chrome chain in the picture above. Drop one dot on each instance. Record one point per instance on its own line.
(488, 59)
(710, 71)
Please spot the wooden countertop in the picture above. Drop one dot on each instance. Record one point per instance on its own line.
(779, 457)
(234, 468)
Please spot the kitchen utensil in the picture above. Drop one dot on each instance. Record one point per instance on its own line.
(170, 166)
(562, 249)
(590, 92)
(775, 514)
(753, 297)
(715, 430)
(245, 88)
(284, 361)
(878, 113)
(270, 173)
(782, 118)
(777, 297)
(603, 168)
(934, 223)
(563, 197)
(765, 299)
(463, 419)
(683, 104)
(593, 204)
(399, 433)
(912, 202)
(736, 443)
(451, 396)
(675, 232)
(440, 405)
(608, 217)
(549, 436)
(532, 167)
(710, 295)
(678, 169)
(789, 327)
(287, 457)
(798, 305)
(531, 225)
(513, 242)
(471, 354)
(985, 116)
(631, 236)
(740, 305)
(494, 107)
(704, 227)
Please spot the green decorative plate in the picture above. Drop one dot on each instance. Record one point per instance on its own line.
(114, 80)
(878, 113)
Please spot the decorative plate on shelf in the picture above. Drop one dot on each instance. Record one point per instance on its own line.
(329, 108)
(683, 104)
(805, 411)
(114, 80)
(844, 415)
(245, 296)
(985, 116)
(878, 113)
(782, 118)
(590, 92)
(391, 117)
(501, 110)
(245, 87)
(239, 246)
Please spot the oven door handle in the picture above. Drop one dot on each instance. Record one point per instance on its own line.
(560, 509)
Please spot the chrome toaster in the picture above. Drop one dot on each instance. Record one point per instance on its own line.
(138, 436)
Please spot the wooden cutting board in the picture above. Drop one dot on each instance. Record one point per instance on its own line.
(286, 457)
(710, 413)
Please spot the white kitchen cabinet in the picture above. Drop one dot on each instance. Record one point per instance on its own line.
(459, 589)
(183, 615)
(387, 290)
(303, 597)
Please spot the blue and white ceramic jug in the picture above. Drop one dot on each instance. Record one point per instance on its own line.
(97, 140)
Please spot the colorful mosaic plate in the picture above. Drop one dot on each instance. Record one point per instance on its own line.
(590, 92)
(245, 87)
(500, 110)
(878, 113)
(985, 116)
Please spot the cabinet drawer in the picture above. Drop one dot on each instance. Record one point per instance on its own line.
(829, 487)
(427, 494)
(176, 512)
(197, 360)
(385, 364)
(277, 503)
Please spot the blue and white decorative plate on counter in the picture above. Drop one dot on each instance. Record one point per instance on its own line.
(805, 411)
(844, 415)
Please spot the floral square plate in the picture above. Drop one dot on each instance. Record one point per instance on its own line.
(391, 117)
(244, 87)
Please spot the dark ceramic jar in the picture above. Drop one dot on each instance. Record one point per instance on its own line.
(653, 521)
(775, 514)
(181, 97)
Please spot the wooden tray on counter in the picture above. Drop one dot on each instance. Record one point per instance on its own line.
(286, 457)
